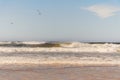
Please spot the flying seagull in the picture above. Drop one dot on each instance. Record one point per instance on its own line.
(11, 23)
(39, 13)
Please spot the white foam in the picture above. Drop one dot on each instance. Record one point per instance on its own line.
(33, 42)
(65, 47)
(20, 55)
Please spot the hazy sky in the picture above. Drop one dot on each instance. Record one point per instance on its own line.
(56, 20)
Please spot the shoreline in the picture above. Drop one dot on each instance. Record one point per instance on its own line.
(51, 66)
(45, 72)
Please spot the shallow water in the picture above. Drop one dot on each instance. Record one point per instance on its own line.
(62, 73)
(98, 71)
(67, 73)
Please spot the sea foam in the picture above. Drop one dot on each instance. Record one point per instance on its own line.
(59, 52)
(57, 47)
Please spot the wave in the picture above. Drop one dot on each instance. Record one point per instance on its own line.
(23, 44)
(78, 44)
(58, 47)
(57, 44)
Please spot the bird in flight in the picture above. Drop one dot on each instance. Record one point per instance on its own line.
(39, 13)
(11, 23)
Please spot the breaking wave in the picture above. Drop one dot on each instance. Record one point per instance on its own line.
(58, 47)
(56, 44)
(59, 52)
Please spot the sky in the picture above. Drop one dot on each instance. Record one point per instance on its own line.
(60, 20)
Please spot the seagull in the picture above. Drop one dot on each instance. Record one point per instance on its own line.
(39, 13)
(11, 23)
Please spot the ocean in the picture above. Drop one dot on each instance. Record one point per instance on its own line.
(59, 61)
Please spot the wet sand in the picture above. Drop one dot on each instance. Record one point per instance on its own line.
(59, 72)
